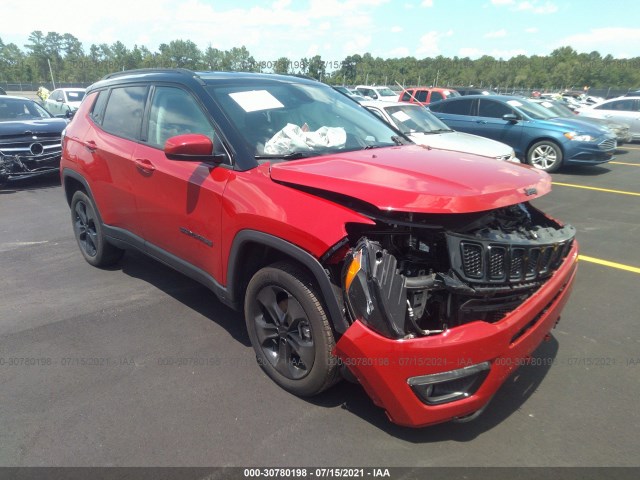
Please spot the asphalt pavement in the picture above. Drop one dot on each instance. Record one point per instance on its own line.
(138, 365)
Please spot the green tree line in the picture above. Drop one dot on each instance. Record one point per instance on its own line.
(65, 56)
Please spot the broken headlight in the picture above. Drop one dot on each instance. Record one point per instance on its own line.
(375, 293)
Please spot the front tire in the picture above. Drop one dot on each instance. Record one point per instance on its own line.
(289, 330)
(89, 234)
(545, 155)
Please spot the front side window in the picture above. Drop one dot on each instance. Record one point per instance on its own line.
(175, 112)
(421, 96)
(436, 96)
(123, 114)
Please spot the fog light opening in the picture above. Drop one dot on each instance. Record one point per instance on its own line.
(445, 387)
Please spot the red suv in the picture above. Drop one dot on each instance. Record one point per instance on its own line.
(425, 275)
(425, 96)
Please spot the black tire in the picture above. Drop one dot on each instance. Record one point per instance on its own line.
(89, 234)
(545, 155)
(289, 330)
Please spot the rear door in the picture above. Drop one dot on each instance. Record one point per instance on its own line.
(624, 110)
(458, 114)
(116, 120)
(179, 202)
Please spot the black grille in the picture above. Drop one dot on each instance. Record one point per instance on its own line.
(472, 260)
(486, 262)
(497, 265)
(608, 144)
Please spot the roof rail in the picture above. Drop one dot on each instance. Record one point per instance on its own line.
(184, 71)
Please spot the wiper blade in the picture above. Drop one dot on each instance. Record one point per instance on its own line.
(286, 156)
(398, 140)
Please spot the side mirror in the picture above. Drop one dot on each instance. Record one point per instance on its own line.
(192, 147)
(510, 117)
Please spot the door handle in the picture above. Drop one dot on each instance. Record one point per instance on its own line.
(90, 145)
(482, 122)
(144, 166)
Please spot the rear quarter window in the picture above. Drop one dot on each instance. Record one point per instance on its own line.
(459, 107)
(124, 111)
(97, 111)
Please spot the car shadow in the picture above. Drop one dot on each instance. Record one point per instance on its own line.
(509, 399)
(35, 183)
(185, 290)
(349, 396)
(585, 170)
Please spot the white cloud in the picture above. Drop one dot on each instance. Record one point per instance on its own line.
(399, 52)
(427, 3)
(610, 40)
(397, 29)
(497, 34)
(531, 30)
(357, 44)
(535, 7)
(280, 4)
(429, 45)
(470, 52)
(506, 54)
(532, 6)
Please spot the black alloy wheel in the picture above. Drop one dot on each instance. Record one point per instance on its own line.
(289, 330)
(89, 234)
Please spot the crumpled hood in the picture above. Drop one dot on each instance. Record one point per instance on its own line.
(32, 127)
(416, 179)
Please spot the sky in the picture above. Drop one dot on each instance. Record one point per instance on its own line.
(337, 28)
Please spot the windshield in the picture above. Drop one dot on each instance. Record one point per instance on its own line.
(278, 118)
(558, 109)
(19, 109)
(415, 119)
(531, 109)
(75, 95)
(386, 92)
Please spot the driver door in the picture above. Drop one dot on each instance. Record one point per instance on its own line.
(179, 202)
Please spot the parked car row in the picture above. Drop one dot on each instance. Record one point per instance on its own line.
(423, 128)
(538, 136)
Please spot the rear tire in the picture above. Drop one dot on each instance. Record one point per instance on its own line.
(289, 330)
(89, 234)
(545, 155)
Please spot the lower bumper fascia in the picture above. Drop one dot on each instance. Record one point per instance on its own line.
(383, 366)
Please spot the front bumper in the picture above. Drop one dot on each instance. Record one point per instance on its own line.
(22, 167)
(600, 151)
(383, 365)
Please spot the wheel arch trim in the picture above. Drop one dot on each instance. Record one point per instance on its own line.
(244, 237)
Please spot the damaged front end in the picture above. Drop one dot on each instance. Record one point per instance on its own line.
(17, 166)
(419, 275)
(443, 308)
